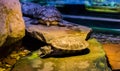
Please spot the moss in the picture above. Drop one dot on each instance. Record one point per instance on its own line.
(95, 48)
(95, 60)
(33, 56)
(107, 10)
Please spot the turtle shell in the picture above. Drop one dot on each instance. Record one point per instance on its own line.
(69, 43)
(31, 9)
(50, 15)
(46, 14)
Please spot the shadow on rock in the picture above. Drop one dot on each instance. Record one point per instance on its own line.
(31, 43)
(69, 54)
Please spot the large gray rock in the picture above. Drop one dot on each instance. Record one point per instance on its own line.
(93, 61)
(52, 34)
(12, 26)
(45, 33)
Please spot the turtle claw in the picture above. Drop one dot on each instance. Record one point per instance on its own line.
(46, 50)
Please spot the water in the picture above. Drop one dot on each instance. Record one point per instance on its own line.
(97, 25)
(103, 5)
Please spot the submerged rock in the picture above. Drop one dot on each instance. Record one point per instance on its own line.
(93, 61)
(12, 26)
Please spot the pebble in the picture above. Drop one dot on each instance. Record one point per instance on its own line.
(7, 63)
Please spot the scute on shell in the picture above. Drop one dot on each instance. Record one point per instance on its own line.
(70, 43)
(50, 14)
(46, 14)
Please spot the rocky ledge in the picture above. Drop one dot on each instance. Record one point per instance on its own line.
(94, 60)
(38, 30)
(106, 38)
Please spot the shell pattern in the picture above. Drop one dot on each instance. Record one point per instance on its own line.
(46, 14)
(63, 46)
(69, 43)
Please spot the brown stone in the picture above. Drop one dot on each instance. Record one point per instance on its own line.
(113, 54)
(45, 33)
(9, 61)
(95, 60)
(12, 27)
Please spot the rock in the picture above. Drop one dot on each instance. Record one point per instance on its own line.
(45, 33)
(106, 38)
(9, 61)
(12, 26)
(113, 52)
(49, 15)
(93, 61)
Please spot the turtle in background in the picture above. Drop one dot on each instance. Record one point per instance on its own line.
(48, 15)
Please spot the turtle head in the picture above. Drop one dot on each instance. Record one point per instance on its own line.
(45, 50)
(50, 16)
(48, 22)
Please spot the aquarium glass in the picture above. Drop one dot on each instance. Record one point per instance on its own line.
(92, 5)
(103, 5)
(56, 2)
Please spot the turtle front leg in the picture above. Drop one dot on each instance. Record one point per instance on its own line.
(46, 50)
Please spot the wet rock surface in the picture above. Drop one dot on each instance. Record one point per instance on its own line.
(111, 45)
(113, 52)
(94, 60)
(107, 38)
(51, 34)
(7, 63)
(38, 30)
(42, 33)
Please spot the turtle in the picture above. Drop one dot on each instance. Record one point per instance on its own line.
(63, 46)
(48, 15)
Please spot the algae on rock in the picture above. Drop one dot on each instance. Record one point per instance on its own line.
(93, 61)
